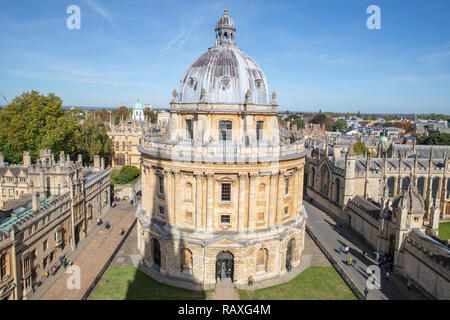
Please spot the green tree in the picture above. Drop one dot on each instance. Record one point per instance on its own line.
(340, 125)
(329, 124)
(120, 113)
(32, 122)
(440, 139)
(299, 122)
(319, 118)
(126, 175)
(359, 148)
(94, 140)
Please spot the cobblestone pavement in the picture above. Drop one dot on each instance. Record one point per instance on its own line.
(327, 229)
(225, 290)
(91, 256)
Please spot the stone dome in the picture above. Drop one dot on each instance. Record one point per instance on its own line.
(411, 200)
(225, 21)
(225, 72)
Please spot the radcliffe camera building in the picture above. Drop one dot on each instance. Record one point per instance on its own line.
(222, 196)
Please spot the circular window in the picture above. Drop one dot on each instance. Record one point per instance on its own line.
(225, 83)
(192, 82)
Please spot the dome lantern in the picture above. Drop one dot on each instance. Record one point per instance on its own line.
(225, 30)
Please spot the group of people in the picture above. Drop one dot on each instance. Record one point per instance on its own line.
(345, 250)
(63, 261)
(106, 223)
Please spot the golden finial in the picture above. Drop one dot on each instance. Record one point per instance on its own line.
(225, 11)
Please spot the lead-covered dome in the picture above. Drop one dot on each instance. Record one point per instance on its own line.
(225, 72)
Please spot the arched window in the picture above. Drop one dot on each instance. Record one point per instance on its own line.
(391, 183)
(3, 265)
(338, 191)
(188, 192)
(313, 177)
(421, 185)
(121, 159)
(156, 253)
(261, 192)
(405, 183)
(324, 179)
(435, 187)
(262, 259)
(186, 261)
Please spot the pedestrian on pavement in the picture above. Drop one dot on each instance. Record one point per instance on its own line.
(61, 259)
(387, 275)
(349, 262)
(341, 250)
(354, 262)
(250, 281)
(122, 231)
(65, 263)
(347, 249)
(377, 256)
(366, 293)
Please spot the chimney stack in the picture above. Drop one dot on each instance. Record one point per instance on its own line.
(80, 159)
(26, 159)
(96, 162)
(61, 158)
(1, 158)
(68, 159)
(35, 201)
(102, 164)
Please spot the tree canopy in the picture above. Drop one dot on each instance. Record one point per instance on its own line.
(359, 148)
(32, 122)
(299, 122)
(440, 139)
(340, 125)
(94, 140)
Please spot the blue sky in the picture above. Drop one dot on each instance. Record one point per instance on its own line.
(315, 54)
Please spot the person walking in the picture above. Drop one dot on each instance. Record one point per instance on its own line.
(341, 250)
(354, 262)
(347, 249)
(350, 262)
(387, 275)
(377, 256)
(366, 293)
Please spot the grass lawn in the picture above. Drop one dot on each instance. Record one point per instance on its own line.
(444, 230)
(129, 283)
(315, 283)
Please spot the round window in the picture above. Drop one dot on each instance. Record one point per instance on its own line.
(192, 82)
(225, 83)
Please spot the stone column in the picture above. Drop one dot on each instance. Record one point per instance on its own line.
(168, 190)
(280, 189)
(198, 201)
(209, 201)
(273, 198)
(252, 201)
(243, 176)
(177, 194)
(294, 193)
(148, 191)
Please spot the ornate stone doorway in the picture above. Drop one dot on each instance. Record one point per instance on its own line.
(289, 255)
(156, 253)
(224, 265)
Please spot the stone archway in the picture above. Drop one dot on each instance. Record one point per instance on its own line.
(224, 265)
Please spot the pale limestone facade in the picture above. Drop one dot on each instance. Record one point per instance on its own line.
(126, 137)
(221, 196)
(66, 201)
